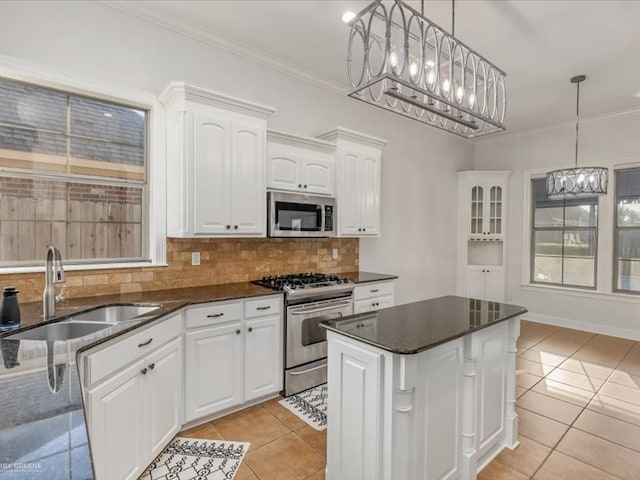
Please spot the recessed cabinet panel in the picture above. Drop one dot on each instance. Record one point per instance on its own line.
(349, 203)
(370, 195)
(214, 369)
(211, 187)
(248, 199)
(284, 172)
(262, 358)
(318, 176)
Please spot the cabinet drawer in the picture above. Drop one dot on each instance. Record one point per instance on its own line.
(212, 314)
(263, 306)
(112, 358)
(369, 290)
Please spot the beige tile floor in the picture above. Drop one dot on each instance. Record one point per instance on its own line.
(578, 410)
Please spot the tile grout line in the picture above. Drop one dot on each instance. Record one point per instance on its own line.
(576, 419)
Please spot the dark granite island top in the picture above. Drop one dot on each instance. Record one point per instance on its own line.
(414, 327)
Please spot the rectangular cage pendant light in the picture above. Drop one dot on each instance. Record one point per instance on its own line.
(401, 61)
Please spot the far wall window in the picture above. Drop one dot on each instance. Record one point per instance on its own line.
(72, 173)
(563, 239)
(627, 231)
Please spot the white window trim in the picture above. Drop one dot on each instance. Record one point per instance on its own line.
(38, 74)
(606, 203)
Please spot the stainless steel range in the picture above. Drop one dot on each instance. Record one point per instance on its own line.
(310, 298)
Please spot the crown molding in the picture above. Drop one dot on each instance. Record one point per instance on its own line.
(299, 141)
(178, 91)
(138, 10)
(556, 126)
(341, 133)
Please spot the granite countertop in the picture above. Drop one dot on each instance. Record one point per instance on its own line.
(367, 277)
(414, 327)
(42, 426)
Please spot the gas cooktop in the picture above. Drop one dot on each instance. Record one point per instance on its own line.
(303, 285)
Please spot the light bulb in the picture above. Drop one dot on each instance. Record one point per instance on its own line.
(472, 100)
(393, 59)
(459, 94)
(348, 16)
(431, 77)
(581, 179)
(413, 69)
(446, 86)
(430, 64)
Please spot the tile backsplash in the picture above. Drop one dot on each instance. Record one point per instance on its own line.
(221, 261)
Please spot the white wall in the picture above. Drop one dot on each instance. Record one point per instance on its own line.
(610, 142)
(419, 163)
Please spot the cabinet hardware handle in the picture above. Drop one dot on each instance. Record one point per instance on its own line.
(299, 185)
(143, 371)
(364, 229)
(374, 290)
(152, 366)
(305, 186)
(144, 344)
(235, 227)
(228, 227)
(359, 229)
(251, 329)
(215, 315)
(237, 332)
(264, 308)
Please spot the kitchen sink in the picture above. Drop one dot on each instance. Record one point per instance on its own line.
(114, 313)
(65, 330)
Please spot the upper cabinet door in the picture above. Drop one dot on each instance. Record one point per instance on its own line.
(495, 210)
(349, 201)
(317, 176)
(370, 194)
(211, 162)
(248, 180)
(476, 216)
(284, 171)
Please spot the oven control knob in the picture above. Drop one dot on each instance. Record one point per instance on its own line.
(345, 280)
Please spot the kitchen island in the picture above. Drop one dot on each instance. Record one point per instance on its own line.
(424, 390)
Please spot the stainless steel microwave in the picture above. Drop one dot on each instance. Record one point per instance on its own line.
(300, 215)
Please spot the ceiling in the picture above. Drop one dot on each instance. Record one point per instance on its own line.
(540, 44)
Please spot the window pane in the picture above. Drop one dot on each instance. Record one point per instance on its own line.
(106, 121)
(628, 213)
(628, 260)
(86, 221)
(32, 107)
(95, 157)
(567, 211)
(584, 215)
(579, 258)
(547, 261)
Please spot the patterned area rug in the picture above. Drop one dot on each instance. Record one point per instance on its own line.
(196, 459)
(310, 406)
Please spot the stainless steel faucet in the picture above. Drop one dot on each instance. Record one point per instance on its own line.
(53, 273)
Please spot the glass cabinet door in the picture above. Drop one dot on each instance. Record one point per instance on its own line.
(495, 210)
(477, 205)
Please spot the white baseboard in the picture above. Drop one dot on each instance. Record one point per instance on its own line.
(586, 326)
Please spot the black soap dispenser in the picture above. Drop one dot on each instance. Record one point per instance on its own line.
(9, 309)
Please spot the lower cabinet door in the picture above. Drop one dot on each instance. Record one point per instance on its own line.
(164, 395)
(362, 306)
(213, 369)
(117, 425)
(262, 357)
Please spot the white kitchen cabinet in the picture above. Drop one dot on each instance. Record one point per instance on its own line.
(262, 358)
(216, 167)
(135, 412)
(233, 354)
(358, 170)
(213, 374)
(300, 164)
(482, 207)
(373, 296)
(485, 283)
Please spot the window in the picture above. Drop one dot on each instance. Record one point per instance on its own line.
(73, 172)
(627, 231)
(563, 239)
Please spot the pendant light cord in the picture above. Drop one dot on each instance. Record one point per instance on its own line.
(577, 120)
(453, 18)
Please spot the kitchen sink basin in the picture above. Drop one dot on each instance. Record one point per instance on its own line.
(114, 313)
(65, 330)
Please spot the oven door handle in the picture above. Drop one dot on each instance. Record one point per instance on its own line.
(318, 310)
(309, 370)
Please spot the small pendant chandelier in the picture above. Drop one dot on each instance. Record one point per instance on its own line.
(578, 180)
